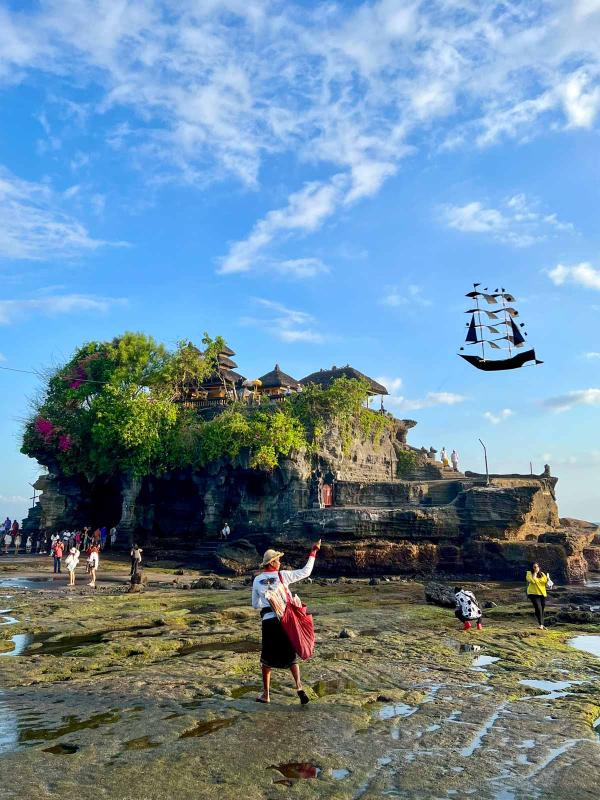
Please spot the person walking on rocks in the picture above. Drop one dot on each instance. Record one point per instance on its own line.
(454, 460)
(136, 560)
(444, 457)
(93, 564)
(113, 537)
(72, 560)
(7, 542)
(467, 608)
(17, 542)
(28, 544)
(277, 651)
(537, 590)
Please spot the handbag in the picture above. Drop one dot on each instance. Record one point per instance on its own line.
(298, 625)
(549, 583)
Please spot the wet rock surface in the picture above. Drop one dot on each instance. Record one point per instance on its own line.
(152, 695)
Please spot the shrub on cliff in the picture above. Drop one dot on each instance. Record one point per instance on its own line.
(110, 409)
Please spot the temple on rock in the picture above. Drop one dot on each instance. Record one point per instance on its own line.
(380, 504)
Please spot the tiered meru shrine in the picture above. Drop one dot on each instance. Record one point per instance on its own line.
(226, 385)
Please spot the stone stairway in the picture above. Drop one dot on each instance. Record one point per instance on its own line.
(433, 471)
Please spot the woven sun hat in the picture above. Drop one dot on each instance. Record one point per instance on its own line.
(270, 555)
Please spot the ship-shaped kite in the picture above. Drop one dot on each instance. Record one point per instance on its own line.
(495, 328)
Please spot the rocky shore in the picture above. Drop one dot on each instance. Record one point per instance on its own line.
(151, 695)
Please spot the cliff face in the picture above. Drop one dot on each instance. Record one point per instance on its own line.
(430, 519)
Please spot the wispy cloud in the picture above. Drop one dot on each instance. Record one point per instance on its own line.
(583, 274)
(400, 402)
(34, 227)
(411, 296)
(570, 400)
(54, 305)
(301, 267)
(518, 221)
(500, 416)
(591, 356)
(286, 324)
(305, 211)
(212, 90)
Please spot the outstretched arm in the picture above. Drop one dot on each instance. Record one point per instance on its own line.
(294, 575)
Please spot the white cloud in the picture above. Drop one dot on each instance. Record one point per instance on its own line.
(570, 400)
(213, 90)
(499, 417)
(2, 357)
(591, 355)
(305, 211)
(33, 227)
(53, 305)
(411, 296)
(302, 267)
(13, 498)
(583, 274)
(518, 221)
(286, 324)
(402, 403)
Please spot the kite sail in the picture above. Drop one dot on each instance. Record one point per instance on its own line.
(499, 324)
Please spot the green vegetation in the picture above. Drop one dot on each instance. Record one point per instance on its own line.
(407, 461)
(110, 409)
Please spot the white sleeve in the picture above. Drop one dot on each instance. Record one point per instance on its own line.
(255, 597)
(293, 575)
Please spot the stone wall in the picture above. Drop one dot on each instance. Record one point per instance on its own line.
(432, 520)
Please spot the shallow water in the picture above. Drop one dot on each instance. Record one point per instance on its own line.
(553, 689)
(298, 770)
(588, 643)
(23, 583)
(68, 724)
(21, 641)
(204, 728)
(396, 710)
(483, 661)
(340, 774)
(238, 646)
(62, 749)
(334, 686)
(143, 743)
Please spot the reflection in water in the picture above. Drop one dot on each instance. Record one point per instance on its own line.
(297, 770)
(204, 728)
(554, 689)
(9, 728)
(62, 749)
(587, 643)
(20, 641)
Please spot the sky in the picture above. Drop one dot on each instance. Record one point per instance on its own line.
(319, 183)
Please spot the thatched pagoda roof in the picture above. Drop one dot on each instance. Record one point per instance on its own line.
(325, 377)
(277, 379)
(217, 379)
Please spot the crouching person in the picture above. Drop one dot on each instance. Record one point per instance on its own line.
(467, 608)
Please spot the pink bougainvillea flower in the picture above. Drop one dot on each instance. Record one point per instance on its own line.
(44, 427)
(64, 443)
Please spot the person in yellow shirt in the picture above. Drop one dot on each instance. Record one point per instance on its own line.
(537, 582)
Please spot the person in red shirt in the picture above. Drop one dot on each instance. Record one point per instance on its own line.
(57, 552)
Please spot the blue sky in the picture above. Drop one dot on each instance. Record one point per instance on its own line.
(319, 183)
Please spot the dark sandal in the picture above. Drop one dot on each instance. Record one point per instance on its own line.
(262, 700)
(304, 698)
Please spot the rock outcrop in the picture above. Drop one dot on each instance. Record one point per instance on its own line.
(430, 519)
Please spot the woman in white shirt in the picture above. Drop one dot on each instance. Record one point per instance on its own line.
(71, 562)
(93, 563)
(277, 651)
